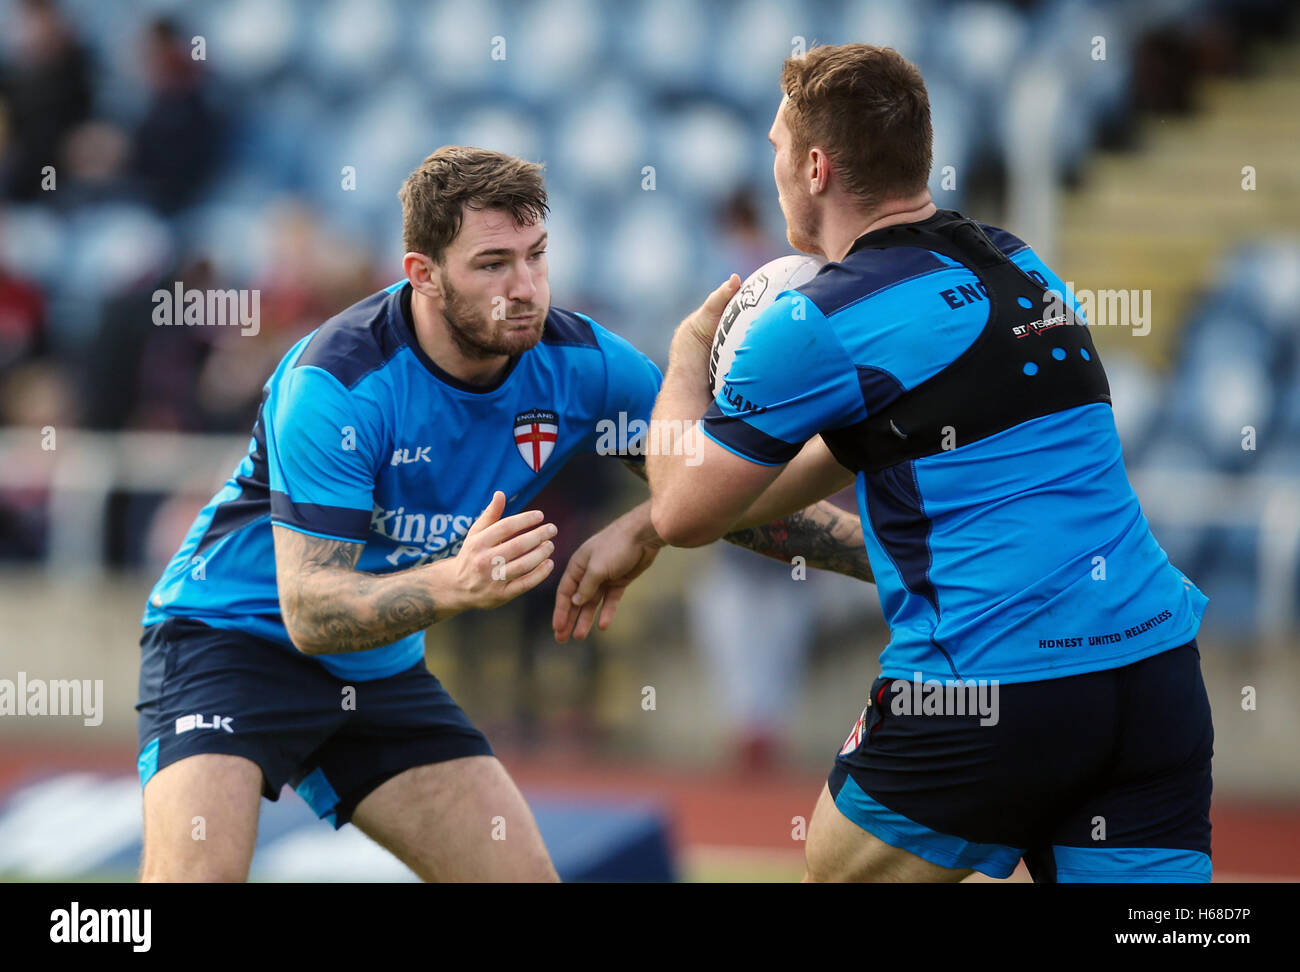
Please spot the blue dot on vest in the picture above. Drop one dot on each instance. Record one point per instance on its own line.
(1086, 355)
(1058, 354)
(1025, 302)
(1030, 368)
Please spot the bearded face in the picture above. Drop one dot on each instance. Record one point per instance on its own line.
(802, 222)
(488, 327)
(494, 285)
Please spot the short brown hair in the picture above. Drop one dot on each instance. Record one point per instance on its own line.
(435, 195)
(867, 107)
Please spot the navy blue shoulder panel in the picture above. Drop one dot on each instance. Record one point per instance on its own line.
(358, 340)
(1008, 243)
(566, 327)
(867, 272)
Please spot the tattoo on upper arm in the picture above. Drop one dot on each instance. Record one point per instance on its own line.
(827, 537)
(316, 552)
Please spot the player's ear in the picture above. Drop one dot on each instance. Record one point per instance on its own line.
(423, 274)
(820, 171)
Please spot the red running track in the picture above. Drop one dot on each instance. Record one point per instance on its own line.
(719, 808)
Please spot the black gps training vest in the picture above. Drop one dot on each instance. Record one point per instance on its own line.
(1023, 364)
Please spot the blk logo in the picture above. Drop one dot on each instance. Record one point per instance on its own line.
(403, 456)
(186, 723)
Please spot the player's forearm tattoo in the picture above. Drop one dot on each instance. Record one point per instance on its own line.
(332, 608)
(826, 536)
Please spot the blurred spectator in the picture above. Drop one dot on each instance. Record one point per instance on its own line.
(311, 274)
(37, 394)
(45, 92)
(34, 396)
(34, 393)
(142, 376)
(93, 170)
(22, 322)
(176, 144)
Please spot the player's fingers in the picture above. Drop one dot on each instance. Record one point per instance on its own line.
(502, 530)
(572, 576)
(509, 570)
(522, 585)
(588, 587)
(561, 614)
(491, 513)
(716, 302)
(516, 547)
(562, 618)
(607, 610)
(704, 319)
(585, 617)
(565, 631)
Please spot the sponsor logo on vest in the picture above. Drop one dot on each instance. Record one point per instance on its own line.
(1037, 327)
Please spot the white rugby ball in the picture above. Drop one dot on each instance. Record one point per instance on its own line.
(757, 294)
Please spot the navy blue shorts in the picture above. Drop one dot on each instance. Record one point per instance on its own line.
(209, 690)
(1103, 776)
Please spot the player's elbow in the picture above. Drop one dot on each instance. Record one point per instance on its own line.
(301, 634)
(301, 639)
(678, 527)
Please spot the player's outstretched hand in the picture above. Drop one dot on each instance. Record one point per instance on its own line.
(501, 559)
(599, 572)
(702, 322)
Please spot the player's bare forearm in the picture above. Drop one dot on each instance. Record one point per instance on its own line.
(826, 536)
(329, 607)
(813, 475)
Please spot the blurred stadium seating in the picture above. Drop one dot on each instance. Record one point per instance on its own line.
(304, 89)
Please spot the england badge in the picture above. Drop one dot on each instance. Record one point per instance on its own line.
(855, 737)
(535, 434)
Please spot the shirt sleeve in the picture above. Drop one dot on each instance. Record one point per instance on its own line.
(323, 448)
(791, 379)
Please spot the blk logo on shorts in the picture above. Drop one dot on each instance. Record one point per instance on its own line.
(535, 434)
(186, 723)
